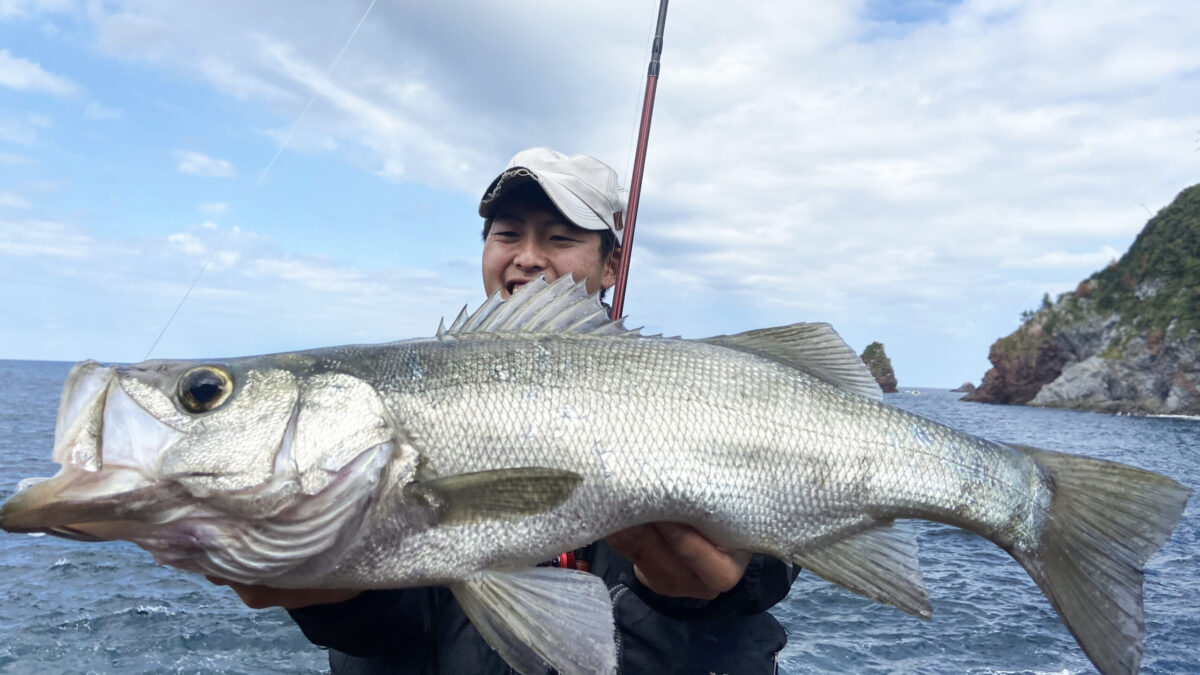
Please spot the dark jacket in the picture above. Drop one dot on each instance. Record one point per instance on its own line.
(424, 631)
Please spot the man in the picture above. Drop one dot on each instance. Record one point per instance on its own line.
(681, 604)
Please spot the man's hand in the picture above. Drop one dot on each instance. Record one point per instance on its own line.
(675, 560)
(261, 597)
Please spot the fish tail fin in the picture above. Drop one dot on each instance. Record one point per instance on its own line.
(1105, 521)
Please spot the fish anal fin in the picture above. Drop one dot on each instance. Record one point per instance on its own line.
(543, 617)
(879, 563)
(814, 348)
(500, 493)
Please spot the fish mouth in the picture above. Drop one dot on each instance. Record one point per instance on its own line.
(103, 478)
(87, 506)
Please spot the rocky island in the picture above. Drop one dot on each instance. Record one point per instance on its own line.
(880, 366)
(1126, 340)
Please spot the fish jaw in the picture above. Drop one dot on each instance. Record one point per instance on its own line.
(89, 506)
(108, 447)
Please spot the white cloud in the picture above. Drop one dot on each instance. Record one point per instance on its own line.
(99, 111)
(12, 159)
(217, 246)
(225, 259)
(1095, 260)
(12, 200)
(263, 298)
(199, 164)
(20, 132)
(186, 242)
(44, 239)
(25, 75)
(23, 9)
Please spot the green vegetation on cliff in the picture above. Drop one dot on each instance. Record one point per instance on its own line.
(1154, 287)
(1157, 281)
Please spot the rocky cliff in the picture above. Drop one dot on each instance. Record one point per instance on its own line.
(881, 367)
(1127, 340)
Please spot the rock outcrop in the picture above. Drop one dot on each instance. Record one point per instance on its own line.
(1127, 340)
(1022, 363)
(881, 367)
(964, 388)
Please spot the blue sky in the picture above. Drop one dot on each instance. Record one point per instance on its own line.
(916, 173)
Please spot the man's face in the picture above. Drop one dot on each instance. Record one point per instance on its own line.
(525, 241)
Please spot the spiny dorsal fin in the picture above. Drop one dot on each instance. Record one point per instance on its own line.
(563, 306)
(814, 348)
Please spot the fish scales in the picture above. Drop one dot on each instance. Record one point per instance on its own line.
(536, 425)
(826, 458)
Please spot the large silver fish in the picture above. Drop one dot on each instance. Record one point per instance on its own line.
(536, 425)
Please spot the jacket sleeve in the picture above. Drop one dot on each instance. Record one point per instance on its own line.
(766, 582)
(373, 623)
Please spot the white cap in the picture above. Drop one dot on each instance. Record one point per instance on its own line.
(581, 186)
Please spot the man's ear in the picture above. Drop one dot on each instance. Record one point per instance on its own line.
(609, 278)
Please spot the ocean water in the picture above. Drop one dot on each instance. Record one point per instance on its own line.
(70, 607)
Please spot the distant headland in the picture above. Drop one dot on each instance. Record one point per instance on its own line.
(1126, 340)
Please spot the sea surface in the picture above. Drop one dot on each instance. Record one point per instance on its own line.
(70, 607)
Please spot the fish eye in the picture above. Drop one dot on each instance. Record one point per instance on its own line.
(204, 388)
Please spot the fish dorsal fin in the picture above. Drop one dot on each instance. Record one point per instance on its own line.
(561, 306)
(814, 348)
(879, 563)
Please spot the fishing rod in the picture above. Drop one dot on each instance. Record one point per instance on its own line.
(639, 163)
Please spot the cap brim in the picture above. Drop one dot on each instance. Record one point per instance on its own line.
(571, 206)
(505, 183)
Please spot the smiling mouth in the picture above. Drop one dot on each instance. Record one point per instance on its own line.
(512, 286)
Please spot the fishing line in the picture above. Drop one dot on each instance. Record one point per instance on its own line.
(261, 176)
(636, 100)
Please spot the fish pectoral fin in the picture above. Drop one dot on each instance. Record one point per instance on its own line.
(543, 617)
(501, 493)
(879, 563)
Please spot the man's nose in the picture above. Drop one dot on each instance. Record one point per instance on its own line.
(530, 256)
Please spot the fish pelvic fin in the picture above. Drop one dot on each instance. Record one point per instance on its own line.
(1105, 521)
(879, 563)
(813, 348)
(543, 617)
